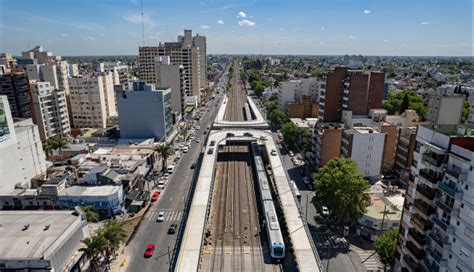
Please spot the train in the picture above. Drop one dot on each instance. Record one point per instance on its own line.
(248, 113)
(272, 226)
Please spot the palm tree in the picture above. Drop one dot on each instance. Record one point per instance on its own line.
(164, 151)
(47, 148)
(91, 214)
(95, 246)
(59, 143)
(113, 232)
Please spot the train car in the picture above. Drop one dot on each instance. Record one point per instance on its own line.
(272, 226)
(248, 114)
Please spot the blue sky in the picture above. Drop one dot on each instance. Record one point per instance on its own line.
(319, 27)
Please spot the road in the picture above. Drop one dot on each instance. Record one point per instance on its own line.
(172, 202)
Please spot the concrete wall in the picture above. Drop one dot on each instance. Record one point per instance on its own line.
(367, 151)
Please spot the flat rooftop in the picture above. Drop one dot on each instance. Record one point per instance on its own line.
(89, 191)
(31, 243)
(449, 130)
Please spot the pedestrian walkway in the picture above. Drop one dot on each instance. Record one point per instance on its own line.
(321, 240)
(170, 216)
(369, 259)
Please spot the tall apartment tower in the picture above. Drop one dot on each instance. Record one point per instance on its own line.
(350, 90)
(92, 101)
(437, 227)
(50, 110)
(15, 86)
(200, 43)
(172, 76)
(445, 106)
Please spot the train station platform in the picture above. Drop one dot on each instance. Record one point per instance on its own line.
(190, 254)
(258, 123)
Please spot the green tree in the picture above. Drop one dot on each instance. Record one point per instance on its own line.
(113, 232)
(386, 247)
(94, 248)
(48, 149)
(341, 187)
(405, 103)
(91, 215)
(291, 135)
(277, 118)
(56, 143)
(465, 111)
(394, 103)
(164, 151)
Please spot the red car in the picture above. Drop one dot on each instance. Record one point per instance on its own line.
(155, 196)
(149, 251)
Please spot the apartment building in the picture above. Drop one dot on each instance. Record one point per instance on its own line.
(92, 100)
(15, 86)
(185, 52)
(445, 106)
(356, 91)
(172, 76)
(404, 155)
(326, 142)
(437, 228)
(119, 73)
(145, 112)
(21, 153)
(43, 57)
(50, 110)
(295, 91)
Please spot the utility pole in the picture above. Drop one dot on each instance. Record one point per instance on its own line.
(143, 24)
(306, 212)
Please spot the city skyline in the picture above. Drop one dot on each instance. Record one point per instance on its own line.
(424, 28)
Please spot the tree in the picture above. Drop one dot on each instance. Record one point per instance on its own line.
(91, 215)
(48, 149)
(164, 151)
(291, 134)
(339, 186)
(405, 103)
(277, 118)
(113, 232)
(394, 103)
(95, 246)
(465, 111)
(386, 246)
(56, 143)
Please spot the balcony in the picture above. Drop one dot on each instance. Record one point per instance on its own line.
(454, 171)
(415, 251)
(433, 159)
(450, 189)
(426, 191)
(430, 265)
(410, 263)
(419, 238)
(429, 176)
(422, 224)
(443, 206)
(434, 254)
(436, 237)
(423, 207)
(442, 224)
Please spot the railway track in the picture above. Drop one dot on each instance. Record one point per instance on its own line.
(237, 98)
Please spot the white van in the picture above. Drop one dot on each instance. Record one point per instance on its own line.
(170, 169)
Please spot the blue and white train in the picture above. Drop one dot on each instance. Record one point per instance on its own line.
(277, 245)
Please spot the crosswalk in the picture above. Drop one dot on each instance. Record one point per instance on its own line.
(370, 260)
(170, 216)
(322, 240)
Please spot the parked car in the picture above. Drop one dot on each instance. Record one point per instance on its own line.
(155, 196)
(324, 211)
(149, 251)
(161, 217)
(307, 181)
(172, 229)
(274, 152)
(193, 165)
(291, 153)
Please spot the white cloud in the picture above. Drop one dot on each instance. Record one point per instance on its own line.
(282, 28)
(88, 39)
(246, 23)
(386, 41)
(352, 37)
(220, 22)
(65, 35)
(367, 11)
(426, 23)
(241, 14)
(205, 27)
(136, 18)
(154, 37)
(323, 28)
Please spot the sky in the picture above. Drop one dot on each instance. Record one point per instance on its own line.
(292, 27)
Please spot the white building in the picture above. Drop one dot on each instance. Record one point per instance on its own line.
(119, 73)
(56, 74)
(21, 152)
(444, 106)
(172, 76)
(73, 70)
(92, 101)
(42, 240)
(50, 110)
(293, 91)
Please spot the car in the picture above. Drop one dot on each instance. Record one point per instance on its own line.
(155, 196)
(172, 229)
(274, 152)
(210, 150)
(212, 143)
(197, 141)
(205, 132)
(198, 127)
(149, 251)
(263, 138)
(291, 153)
(307, 181)
(324, 211)
(193, 165)
(185, 149)
(161, 217)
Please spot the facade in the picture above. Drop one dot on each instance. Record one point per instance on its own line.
(119, 74)
(92, 101)
(327, 142)
(50, 110)
(350, 90)
(42, 240)
(445, 107)
(172, 76)
(145, 112)
(404, 155)
(436, 232)
(470, 120)
(15, 86)
(22, 155)
(297, 91)
(43, 57)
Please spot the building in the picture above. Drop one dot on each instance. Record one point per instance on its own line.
(188, 52)
(73, 70)
(92, 100)
(42, 240)
(22, 156)
(327, 142)
(50, 110)
(171, 76)
(355, 91)
(43, 57)
(436, 232)
(404, 155)
(297, 91)
(106, 200)
(383, 213)
(15, 86)
(145, 112)
(444, 106)
(119, 73)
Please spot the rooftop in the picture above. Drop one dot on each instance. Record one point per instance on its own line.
(449, 130)
(90, 191)
(31, 243)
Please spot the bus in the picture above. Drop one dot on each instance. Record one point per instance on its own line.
(295, 189)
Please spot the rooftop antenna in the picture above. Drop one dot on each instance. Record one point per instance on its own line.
(143, 24)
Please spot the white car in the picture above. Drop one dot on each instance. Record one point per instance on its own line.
(185, 149)
(263, 138)
(161, 217)
(197, 141)
(274, 152)
(324, 211)
(291, 153)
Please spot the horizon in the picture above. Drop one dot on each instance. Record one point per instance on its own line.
(110, 28)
